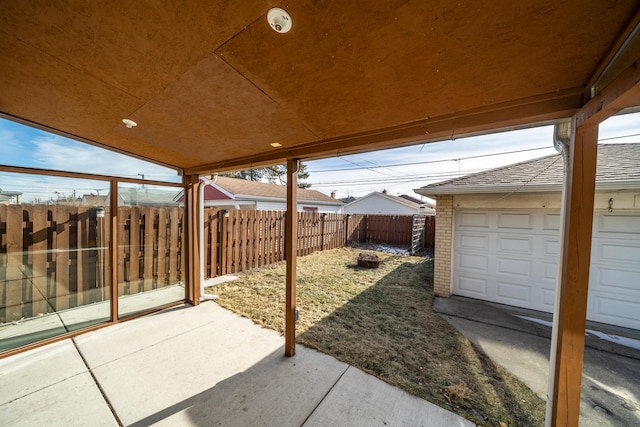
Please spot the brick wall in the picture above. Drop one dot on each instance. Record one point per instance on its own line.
(444, 233)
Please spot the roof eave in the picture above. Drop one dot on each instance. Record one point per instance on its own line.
(546, 188)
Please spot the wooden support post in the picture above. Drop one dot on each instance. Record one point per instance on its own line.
(290, 247)
(113, 247)
(192, 224)
(571, 301)
(567, 352)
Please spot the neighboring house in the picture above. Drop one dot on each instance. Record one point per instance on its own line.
(233, 193)
(128, 196)
(9, 197)
(377, 203)
(498, 235)
(94, 200)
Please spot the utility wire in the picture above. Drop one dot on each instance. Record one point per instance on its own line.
(372, 169)
(430, 161)
(413, 178)
(452, 160)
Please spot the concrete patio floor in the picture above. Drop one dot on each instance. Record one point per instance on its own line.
(198, 366)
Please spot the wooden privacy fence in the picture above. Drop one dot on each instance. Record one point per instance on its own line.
(239, 240)
(54, 257)
(150, 248)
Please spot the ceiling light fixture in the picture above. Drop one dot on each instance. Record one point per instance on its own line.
(276, 144)
(129, 123)
(279, 20)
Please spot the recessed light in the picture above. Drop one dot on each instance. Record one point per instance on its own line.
(129, 123)
(276, 144)
(279, 20)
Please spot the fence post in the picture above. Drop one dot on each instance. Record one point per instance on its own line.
(323, 220)
(346, 229)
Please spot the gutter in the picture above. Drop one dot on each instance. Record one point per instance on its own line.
(540, 188)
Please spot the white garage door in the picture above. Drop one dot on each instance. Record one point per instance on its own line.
(511, 257)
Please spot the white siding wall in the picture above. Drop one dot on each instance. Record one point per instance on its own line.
(322, 208)
(271, 206)
(378, 205)
(280, 206)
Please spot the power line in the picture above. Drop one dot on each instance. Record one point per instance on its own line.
(452, 159)
(360, 182)
(430, 161)
(364, 167)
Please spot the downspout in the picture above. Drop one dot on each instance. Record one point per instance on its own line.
(206, 180)
(561, 140)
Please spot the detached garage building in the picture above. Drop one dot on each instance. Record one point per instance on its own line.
(498, 235)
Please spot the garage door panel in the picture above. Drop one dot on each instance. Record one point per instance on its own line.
(478, 263)
(474, 219)
(513, 293)
(617, 251)
(514, 267)
(617, 223)
(473, 241)
(551, 247)
(617, 281)
(474, 287)
(614, 285)
(621, 311)
(550, 271)
(515, 220)
(518, 244)
(548, 299)
(551, 221)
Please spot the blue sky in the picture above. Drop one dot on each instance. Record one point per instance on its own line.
(30, 147)
(449, 159)
(397, 170)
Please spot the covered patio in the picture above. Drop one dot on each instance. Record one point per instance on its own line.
(210, 86)
(233, 373)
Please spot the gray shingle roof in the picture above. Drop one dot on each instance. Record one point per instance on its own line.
(618, 164)
(261, 189)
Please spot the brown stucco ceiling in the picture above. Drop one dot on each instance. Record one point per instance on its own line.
(211, 85)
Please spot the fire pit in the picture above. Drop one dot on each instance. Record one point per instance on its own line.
(369, 260)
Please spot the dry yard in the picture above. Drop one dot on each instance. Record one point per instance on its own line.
(381, 321)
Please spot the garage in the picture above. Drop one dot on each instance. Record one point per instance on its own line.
(498, 235)
(511, 257)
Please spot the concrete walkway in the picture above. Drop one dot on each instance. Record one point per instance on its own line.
(198, 366)
(611, 375)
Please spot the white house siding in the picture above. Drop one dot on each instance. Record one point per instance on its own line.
(321, 208)
(511, 257)
(378, 206)
(280, 206)
(271, 206)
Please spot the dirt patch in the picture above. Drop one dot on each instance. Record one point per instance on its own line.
(381, 321)
(369, 260)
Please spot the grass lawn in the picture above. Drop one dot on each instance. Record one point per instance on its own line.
(381, 321)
